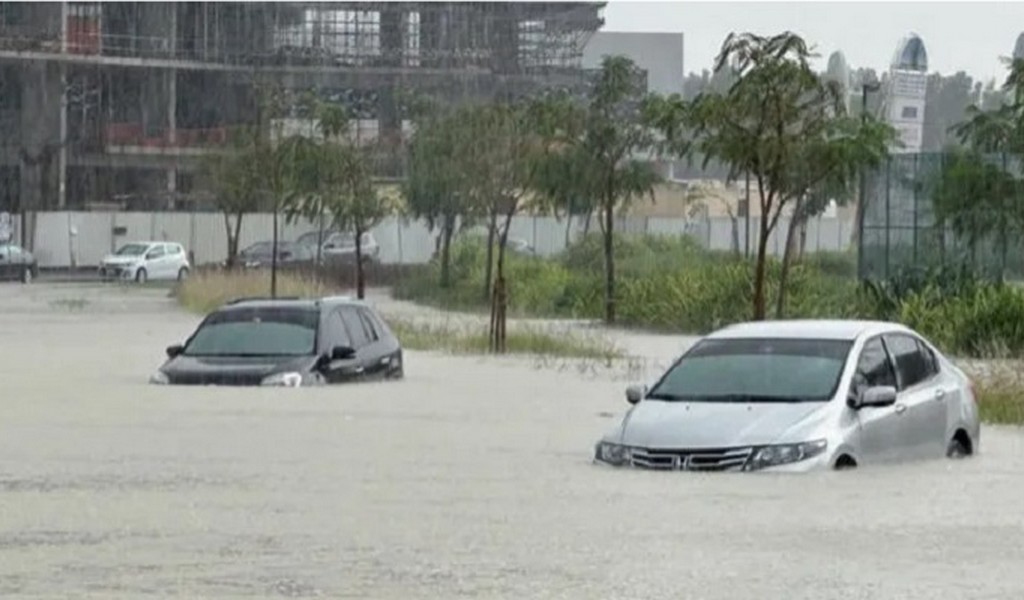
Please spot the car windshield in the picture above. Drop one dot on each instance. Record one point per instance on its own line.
(132, 250)
(263, 331)
(756, 370)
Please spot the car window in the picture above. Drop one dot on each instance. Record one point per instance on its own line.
(174, 249)
(873, 367)
(355, 327)
(912, 366)
(155, 252)
(931, 361)
(756, 369)
(131, 250)
(369, 325)
(336, 331)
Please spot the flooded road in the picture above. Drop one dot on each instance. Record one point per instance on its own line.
(471, 478)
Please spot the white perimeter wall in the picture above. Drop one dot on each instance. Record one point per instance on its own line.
(401, 241)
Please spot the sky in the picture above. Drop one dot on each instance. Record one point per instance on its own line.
(958, 36)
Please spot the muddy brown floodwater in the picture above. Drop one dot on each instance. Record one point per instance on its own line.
(469, 479)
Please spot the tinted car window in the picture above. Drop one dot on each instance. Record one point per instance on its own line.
(131, 250)
(911, 365)
(355, 327)
(336, 331)
(256, 332)
(873, 367)
(155, 252)
(756, 370)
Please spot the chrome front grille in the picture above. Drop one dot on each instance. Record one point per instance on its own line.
(703, 459)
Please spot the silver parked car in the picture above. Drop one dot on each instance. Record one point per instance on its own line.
(799, 396)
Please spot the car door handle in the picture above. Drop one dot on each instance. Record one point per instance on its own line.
(901, 408)
(940, 394)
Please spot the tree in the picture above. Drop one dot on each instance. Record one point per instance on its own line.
(597, 141)
(435, 188)
(232, 178)
(978, 197)
(332, 176)
(782, 123)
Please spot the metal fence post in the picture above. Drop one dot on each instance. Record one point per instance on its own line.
(888, 225)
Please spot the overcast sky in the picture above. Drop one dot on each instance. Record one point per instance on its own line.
(959, 36)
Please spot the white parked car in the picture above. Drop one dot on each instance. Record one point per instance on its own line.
(143, 261)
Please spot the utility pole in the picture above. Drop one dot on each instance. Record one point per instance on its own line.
(746, 216)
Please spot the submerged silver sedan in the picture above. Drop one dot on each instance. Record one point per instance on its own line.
(799, 396)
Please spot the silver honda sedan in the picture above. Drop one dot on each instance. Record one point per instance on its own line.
(799, 396)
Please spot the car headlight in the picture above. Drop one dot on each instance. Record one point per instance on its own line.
(612, 454)
(784, 454)
(289, 379)
(159, 378)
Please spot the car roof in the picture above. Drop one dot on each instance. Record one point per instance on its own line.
(291, 302)
(821, 329)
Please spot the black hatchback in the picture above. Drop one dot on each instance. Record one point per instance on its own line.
(285, 342)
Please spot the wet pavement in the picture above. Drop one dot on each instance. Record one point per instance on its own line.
(469, 479)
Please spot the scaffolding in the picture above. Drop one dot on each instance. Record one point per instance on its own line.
(117, 102)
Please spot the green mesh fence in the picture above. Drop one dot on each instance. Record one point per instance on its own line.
(900, 229)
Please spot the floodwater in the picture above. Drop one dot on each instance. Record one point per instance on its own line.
(469, 479)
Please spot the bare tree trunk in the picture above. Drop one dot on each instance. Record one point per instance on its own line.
(488, 268)
(499, 298)
(759, 270)
(447, 231)
(586, 223)
(232, 236)
(568, 229)
(735, 234)
(609, 261)
(273, 258)
(360, 274)
(787, 257)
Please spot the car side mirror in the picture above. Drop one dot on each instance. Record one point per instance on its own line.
(635, 393)
(175, 350)
(342, 353)
(879, 395)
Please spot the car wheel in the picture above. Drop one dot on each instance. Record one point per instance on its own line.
(183, 274)
(141, 276)
(26, 274)
(956, 449)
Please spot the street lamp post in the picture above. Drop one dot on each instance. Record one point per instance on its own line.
(864, 89)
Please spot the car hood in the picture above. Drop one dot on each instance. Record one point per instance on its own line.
(232, 370)
(657, 424)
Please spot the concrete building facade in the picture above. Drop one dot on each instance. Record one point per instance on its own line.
(905, 93)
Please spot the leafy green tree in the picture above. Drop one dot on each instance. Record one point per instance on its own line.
(230, 177)
(436, 187)
(330, 176)
(782, 123)
(592, 151)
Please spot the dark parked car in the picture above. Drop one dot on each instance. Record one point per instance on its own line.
(339, 247)
(17, 263)
(285, 342)
(289, 255)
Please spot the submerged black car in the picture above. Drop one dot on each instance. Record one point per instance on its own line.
(285, 342)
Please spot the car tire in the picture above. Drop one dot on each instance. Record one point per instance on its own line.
(27, 275)
(956, 450)
(141, 276)
(183, 274)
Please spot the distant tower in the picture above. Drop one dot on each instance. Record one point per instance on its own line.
(839, 72)
(1018, 48)
(904, 98)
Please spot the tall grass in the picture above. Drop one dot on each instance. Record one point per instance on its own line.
(206, 291)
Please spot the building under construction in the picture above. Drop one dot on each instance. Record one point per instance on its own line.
(113, 105)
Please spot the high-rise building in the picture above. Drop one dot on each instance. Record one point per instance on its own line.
(839, 71)
(905, 93)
